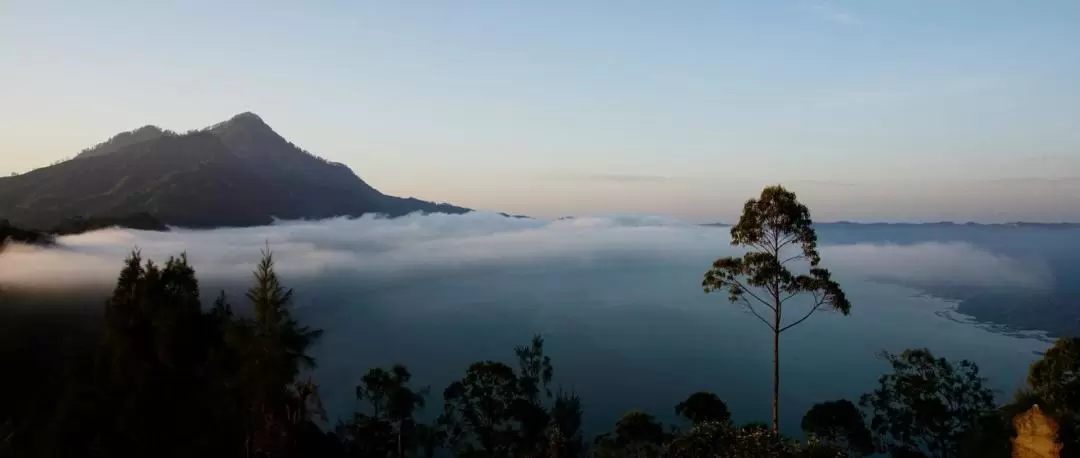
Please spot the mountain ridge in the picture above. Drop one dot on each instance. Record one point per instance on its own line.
(238, 172)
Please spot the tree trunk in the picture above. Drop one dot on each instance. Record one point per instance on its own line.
(777, 321)
(776, 380)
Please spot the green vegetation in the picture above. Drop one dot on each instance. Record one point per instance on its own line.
(168, 374)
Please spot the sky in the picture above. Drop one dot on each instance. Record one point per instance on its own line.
(882, 111)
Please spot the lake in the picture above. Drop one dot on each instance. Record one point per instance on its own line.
(618, 300)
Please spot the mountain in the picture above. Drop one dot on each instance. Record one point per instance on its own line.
(11, 233)
(234, 173)
(123, 139)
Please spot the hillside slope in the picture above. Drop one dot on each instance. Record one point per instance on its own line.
(235, 173)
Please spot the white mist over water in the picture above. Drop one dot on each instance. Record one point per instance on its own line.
(618, 299)
(427, 243)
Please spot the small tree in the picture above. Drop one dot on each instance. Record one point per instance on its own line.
(702, 407)
(839, 424)
(927, 405)
(637, 435)
(276, 348)
(478, 411)
(495, 411)
(566, 424)
(776, 230)
(283, 341)
(393, 403)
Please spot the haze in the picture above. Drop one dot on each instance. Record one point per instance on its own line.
(618, 293)
(420, 246)
(947, 111)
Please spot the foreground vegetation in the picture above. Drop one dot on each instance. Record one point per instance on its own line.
(166, 373)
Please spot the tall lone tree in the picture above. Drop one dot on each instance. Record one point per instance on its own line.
(776, 231)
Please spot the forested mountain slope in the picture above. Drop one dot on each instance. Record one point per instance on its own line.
(235, 173)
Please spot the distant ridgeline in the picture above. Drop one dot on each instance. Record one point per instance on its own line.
(9, 233)
(235, 173)
(76, 225)
(140, 221)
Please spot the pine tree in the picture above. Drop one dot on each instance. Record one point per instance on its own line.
(276, 351)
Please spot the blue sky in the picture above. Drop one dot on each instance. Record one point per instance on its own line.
(870, 110)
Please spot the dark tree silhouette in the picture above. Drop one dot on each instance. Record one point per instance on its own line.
(637, 434)
(776, 230)
(157, 385)
(477, 411)
(494, 411)
(703, 407)
(840, 424)
(927, 405)
(535, 373)
(566, 424)
(276, 352)
(389, 427)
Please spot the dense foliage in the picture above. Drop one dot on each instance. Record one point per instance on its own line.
(927, 404)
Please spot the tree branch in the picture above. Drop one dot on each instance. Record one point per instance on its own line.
(813, 309)
(763, 320)
(751, 293)
(798, 256)
(789, 297)
(760, 246)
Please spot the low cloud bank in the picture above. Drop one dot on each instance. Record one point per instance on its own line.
(433, 243)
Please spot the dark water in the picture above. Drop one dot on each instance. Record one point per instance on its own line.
(619, 302)
(637, 334)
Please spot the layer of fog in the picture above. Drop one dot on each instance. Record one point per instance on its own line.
(403, 248)
(617, 297)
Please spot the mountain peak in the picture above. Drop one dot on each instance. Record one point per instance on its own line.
(246, 122)
(149, 128)
(123, 139)
(235, 173)
(246, 116)
(246, 119)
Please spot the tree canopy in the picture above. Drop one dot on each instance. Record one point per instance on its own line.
(927, 405)
(776, 230)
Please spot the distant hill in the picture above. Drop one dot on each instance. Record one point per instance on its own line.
(9, 233)
(235, 173)
(123, 139)
(140, 221)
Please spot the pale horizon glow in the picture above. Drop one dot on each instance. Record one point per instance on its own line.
(870, 111)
